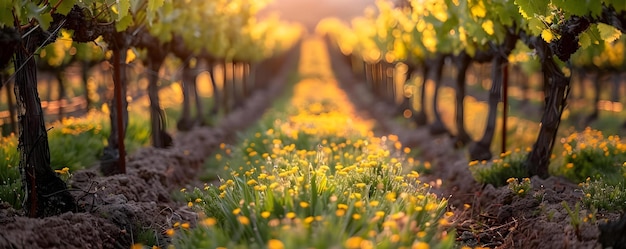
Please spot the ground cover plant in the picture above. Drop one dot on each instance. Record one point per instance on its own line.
(316, 177)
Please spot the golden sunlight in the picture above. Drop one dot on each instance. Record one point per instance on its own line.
(310, 12)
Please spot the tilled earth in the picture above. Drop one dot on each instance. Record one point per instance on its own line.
(496, 218)
(116, 209)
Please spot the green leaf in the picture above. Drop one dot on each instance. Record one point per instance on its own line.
(531, 8)
(44, 20)
(124, 23)
(135, 5)
(608, 33)
(536, 26)
(578, 8)
(584, 40)
(64, 7)
(123, 7)
(154, 5)
(6, 13)
(619, 5)
(596, 7)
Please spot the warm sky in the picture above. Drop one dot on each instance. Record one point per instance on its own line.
(309, 12)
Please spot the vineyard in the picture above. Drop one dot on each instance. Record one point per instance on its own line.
(227, 124)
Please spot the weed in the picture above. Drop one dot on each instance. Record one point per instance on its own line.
(519, 188)
(498, 171)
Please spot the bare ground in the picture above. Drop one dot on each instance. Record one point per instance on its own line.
(118, 209)
(496, 218)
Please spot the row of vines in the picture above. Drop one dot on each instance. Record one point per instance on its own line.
(555, 38)
(200, 34)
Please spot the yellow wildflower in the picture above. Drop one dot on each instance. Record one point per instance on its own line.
(275, 244)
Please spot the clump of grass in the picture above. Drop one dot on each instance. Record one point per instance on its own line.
(297, 199)
(10, 187)
(497, 171)
(604, 196)
(316, 178)
(590, 154)
(75, 144)
(519, 188)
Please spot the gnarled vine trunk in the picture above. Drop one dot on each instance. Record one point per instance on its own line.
(113, 160)
(557, 89)
(46, 193)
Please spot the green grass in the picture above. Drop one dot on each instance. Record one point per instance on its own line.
(75, 143)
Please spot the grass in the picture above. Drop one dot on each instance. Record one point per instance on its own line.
(75, 143)
(314, 176)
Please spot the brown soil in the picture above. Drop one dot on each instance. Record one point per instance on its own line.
(496, 218)
(116, 209)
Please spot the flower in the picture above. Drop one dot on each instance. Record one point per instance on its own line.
(243, 220)
(275, 244)
(353, 242)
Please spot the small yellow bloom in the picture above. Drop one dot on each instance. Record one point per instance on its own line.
(304, 204)
(209, 221)
(275, 244)
(340, 212)
(136, 246)
(265, 214)
(236, 211)
(291, 215)
(380, 214)
(309, 220)
(185, 225)
(353, 242)
(198, 200)
(243, 220)
(420, 245)
(63, 171)
(356, 216)
(170, 232)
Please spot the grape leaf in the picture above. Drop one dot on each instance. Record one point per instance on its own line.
(44, 20)
(135, 5)
(619, 5)
(608, 32)
(578, 8)
(124, 23)
(584, 40)
(6, 13)
(123, 7)
(531, 8)
(547, 35)
(153, 7)
(536, 26)
(64, 7)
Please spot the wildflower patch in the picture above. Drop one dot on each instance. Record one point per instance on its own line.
(317, 177)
